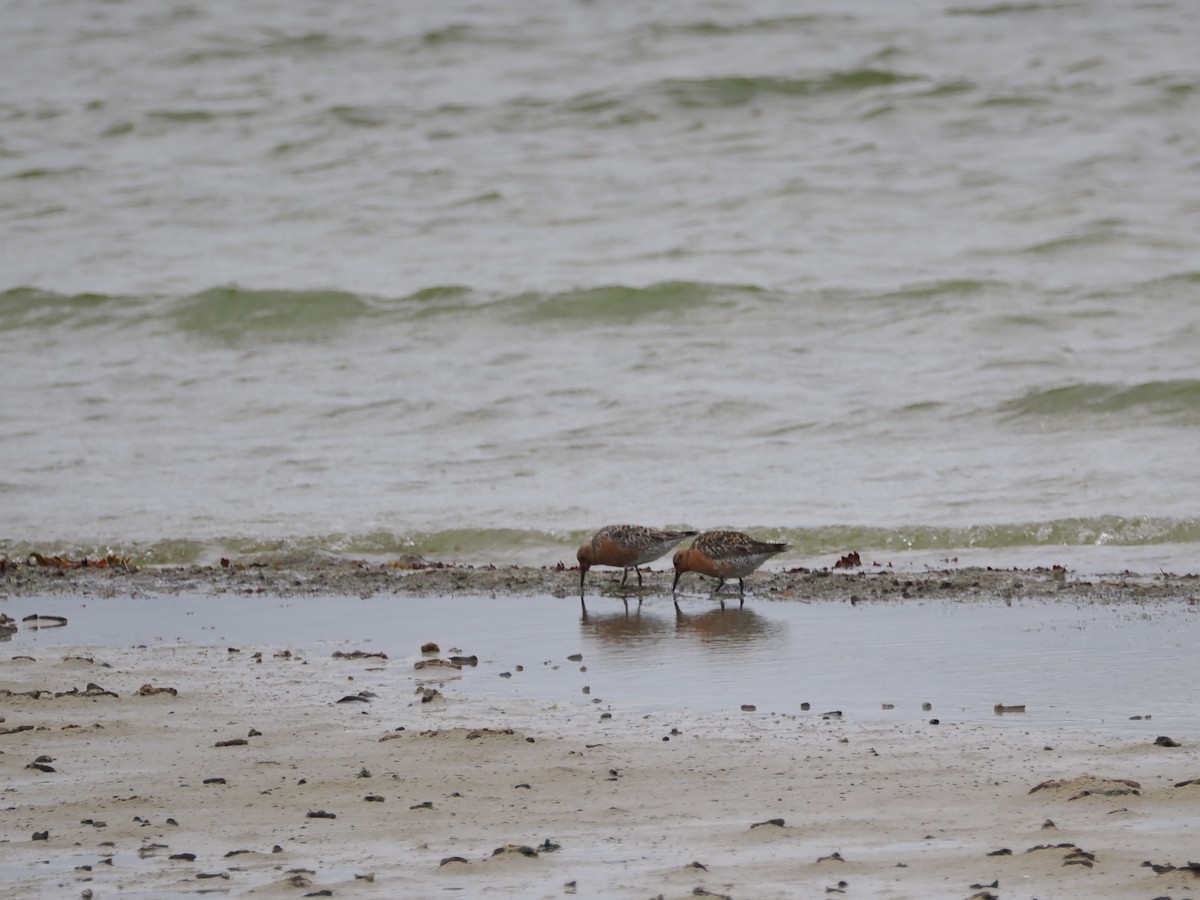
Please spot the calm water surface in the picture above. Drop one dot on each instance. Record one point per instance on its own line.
(1093, 666)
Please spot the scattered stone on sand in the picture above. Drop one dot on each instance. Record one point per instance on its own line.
(778, 823)
(476, 733)
(1089, 785)
(435, 663)
(358, 654)
(232, 742)
(447, 860)
(430, 647)
(1001, 708)
(1191, 868)
(1079, 857)
(515, 850)
(1163, 741)
(320, 814)
(149, 690)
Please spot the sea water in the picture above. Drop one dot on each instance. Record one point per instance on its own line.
(472, 279)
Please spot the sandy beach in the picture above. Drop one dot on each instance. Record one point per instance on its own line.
(162, 771)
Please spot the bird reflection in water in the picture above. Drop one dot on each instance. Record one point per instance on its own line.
(624, 595)
(712, 626)
(725, 626)
(623, 627)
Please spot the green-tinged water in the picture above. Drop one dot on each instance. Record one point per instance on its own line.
(820, 547)
(1176, 402)
(918, 280)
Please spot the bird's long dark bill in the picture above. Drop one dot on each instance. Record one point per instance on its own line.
(675, 583)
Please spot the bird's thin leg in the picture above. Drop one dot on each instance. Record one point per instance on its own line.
(639, 575)
(624, 575)
(720, 584)
(625, 600)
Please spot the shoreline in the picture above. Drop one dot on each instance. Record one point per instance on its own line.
(316, 574)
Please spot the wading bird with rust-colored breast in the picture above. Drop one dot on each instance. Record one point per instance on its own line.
(626, 547)
(722, 555)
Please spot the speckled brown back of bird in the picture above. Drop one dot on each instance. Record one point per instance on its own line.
(722, 555)
(626, 547)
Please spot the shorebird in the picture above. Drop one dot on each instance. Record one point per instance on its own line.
(724, 554)
(626, 546)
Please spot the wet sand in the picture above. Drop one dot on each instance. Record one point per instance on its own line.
(162, 771)
(286, 575)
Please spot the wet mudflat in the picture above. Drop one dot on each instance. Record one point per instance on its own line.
(171, 743)
(1110, 664)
